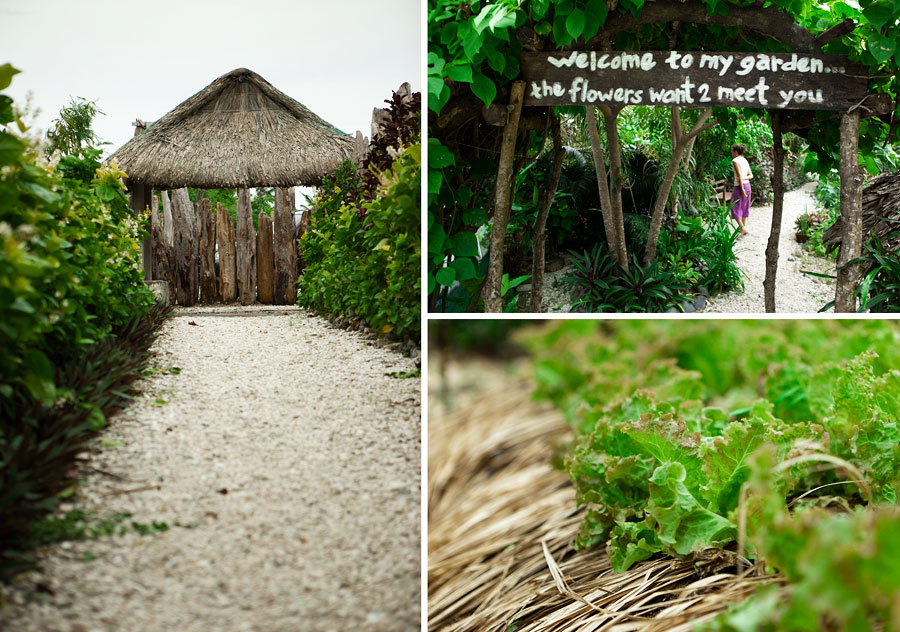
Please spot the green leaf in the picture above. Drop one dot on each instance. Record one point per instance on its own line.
(878, 15)
(872, 166)
(10, 148)
(683, 524)
(446, 276)
(484, 89)
(474, 217)
(6, 74)
(439, 156)
(460, 72)
(465, 268)
(437, 239)
(464, 244)
(631, 542)
(38, 377)
(881, 47)
(575, 23)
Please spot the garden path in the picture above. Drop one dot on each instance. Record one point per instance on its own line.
(286, 464)
(794, 292)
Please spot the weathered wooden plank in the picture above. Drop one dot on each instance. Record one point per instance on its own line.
(285, 253)
(162, 254)
(185, 249)
(246, 249)
(265, 260)
(305, 220)
(167, 219)
(227, 255)
(207, 252)
(752, 80)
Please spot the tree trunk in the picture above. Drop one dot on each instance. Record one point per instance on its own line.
(185, 251)
(227, 255)
(246, 249)
(680, 142)
(610, 116)
(207, 252)
(851, 214)
(265, 260)
(493, 300)
(285, 257)
(602, 181)
(777, 207)
(538, 234)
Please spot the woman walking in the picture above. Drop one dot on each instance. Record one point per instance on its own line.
(740, 210)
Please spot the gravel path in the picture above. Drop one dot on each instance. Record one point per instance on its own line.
(794, 292)
(286, 464)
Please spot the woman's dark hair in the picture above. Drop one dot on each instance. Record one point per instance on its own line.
(738, 149)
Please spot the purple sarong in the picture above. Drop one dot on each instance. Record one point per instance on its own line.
(741, 208)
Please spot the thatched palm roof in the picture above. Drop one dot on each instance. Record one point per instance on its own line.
(239, 131)
(880, 203)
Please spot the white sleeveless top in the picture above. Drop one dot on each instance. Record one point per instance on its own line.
(743, 168)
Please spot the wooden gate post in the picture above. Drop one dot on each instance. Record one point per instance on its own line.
(851, 214)
(493, 301)
(285, 252)
(777, 208)
(265, 260)
(140, 199)
(246, 249)
(227, 255)
(185, 251)
(206, 237)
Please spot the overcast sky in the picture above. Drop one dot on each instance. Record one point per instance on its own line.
(339, 58)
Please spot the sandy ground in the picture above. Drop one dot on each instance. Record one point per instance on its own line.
(794, 292)
(286, 464)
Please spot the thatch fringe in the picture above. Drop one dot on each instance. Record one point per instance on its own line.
(501, 526)
(880, 200)
(239, 131)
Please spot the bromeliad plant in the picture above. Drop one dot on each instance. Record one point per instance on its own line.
(688, 435)
(600, 284)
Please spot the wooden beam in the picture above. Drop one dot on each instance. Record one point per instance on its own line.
(206, 236)
(246, 249)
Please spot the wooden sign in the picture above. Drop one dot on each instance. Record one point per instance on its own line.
(787, 81)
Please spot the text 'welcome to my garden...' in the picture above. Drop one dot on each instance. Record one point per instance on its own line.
(693, 79)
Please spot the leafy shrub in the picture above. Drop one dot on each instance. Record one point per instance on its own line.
(362, 260)
(69, 265)
(75, 314)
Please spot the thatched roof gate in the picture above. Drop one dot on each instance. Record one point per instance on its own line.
(238, 132)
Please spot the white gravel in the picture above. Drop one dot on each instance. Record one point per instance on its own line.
(291, 462)
(794, 292)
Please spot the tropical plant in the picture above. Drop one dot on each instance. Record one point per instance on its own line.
(600, 284)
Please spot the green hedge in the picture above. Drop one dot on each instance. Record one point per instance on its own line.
(361, 259)
(71, 291)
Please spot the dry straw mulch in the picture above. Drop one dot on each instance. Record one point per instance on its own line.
(501, 525)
